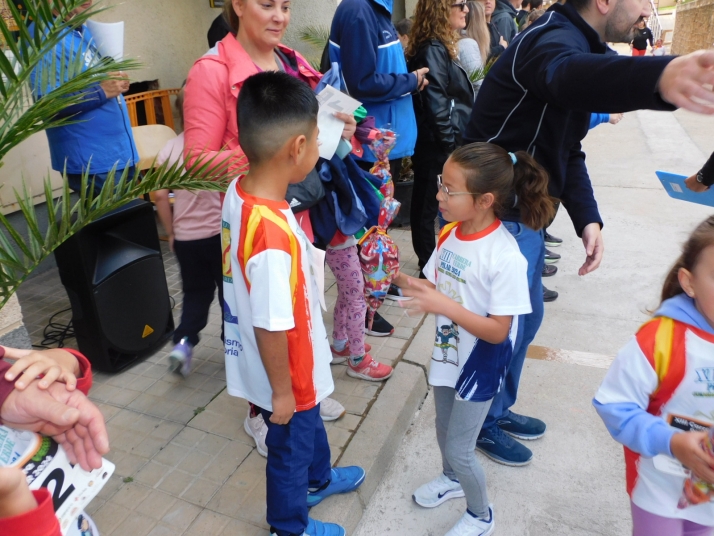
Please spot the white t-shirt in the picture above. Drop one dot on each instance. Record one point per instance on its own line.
(268, 283)
(487, 274)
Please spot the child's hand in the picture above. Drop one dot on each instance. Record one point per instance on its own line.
(688, 448)
(15, 495)
(283, 408)
(425, 297)
(35, 364)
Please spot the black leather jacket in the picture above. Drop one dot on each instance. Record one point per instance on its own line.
(444, 107)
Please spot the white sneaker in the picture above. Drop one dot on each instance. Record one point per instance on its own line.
(469, 525)
(331, 409)
(439, 490)
(256, 428)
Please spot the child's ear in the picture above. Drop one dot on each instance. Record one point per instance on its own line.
(685, 281)
(485, 201)
(298, 147)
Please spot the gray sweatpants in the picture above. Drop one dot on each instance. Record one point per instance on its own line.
(458, 423)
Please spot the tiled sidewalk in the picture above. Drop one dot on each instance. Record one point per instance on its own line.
(184, 463)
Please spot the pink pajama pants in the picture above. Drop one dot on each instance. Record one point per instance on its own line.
(646, 524)
(351, 307)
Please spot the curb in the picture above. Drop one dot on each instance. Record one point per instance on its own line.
(376, 441)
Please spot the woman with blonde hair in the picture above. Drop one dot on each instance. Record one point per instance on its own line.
(442, 109)
(475, 42)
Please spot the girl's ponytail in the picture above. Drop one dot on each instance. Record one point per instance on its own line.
(530, 182)
(671, 287)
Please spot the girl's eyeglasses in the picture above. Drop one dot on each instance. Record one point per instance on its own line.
(460, 5)
(445, 189)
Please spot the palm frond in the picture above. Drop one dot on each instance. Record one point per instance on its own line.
(480, 73)
(317, 36)
(19, 256)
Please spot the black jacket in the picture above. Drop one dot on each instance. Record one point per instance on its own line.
(496, 47)
(539, 95)
(443, 108)
(504, 18)
(641, 37)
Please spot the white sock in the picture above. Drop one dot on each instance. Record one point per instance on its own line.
(339, 345)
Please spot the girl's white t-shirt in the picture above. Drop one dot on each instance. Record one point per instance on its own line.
(487, 274)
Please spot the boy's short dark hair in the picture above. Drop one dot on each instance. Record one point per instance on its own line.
(273, 107)
(536, 4)
(404, 26)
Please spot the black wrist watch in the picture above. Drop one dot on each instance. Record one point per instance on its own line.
(700, 177)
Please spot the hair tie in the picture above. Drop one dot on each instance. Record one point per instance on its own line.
(513, 158)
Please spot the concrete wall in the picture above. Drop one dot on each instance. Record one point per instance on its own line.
(694, 27)
(12, 330)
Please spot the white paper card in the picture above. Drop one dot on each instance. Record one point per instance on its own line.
(45, 464)
(317, 269)
(109, 38)
(331, 101)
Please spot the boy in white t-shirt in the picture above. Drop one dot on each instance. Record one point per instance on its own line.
(477, 286)
(277, 352)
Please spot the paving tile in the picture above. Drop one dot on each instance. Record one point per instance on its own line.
(200, 492)
(131, 495)
(175, 483)
(152, 473)
(236, 527)
(134, 524)
(110, 516)
(208, 523)
(180, 515)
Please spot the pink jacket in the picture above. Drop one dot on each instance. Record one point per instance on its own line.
(211, 96)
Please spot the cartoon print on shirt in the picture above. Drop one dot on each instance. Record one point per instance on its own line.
(226, 243)
(443, 338)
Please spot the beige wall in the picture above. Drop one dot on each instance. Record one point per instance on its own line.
(693, 27)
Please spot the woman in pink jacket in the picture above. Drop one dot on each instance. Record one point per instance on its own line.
(210, 115)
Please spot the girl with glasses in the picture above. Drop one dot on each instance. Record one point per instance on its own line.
(477, 286)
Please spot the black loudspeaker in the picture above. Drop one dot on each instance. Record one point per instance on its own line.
(113, 272)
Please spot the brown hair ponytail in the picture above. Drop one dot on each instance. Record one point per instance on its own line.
(490, 168)
(701, 238)
(530, 181)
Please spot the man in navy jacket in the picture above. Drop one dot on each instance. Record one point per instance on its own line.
(538, 98)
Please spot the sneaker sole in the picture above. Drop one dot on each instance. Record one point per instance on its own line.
(553, 244)
(377, 333)
(357, 375)
(445, 498)
(250, 433)
(176, 364)
(337, 360)
(551, 261)
(503, 461)
(524, 437)
(330, 419)
(397, 298)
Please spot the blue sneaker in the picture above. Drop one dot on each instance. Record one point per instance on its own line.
(502, 448)
(180, 357)
(522, 427)
(318, 528)
(343, 480)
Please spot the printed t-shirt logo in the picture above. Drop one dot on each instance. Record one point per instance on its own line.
(226, 243)
(452, 264)
(705, 376)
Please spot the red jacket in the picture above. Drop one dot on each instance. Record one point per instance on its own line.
(42, 520)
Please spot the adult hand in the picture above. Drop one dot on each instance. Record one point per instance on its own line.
(15, 495)
(422, 82)
(502, 42)
(682, 82)
(594, 248)
(615, 118)
(688, 448)
(115, 86)
(694, 185)
(283, 408)
(350, 124)
(67, 416)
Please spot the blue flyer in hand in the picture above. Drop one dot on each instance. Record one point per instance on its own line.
(674, 184)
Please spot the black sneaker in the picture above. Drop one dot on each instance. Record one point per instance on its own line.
(549, 295)
(522, 427)
(551, 257)
(552, 241)
(549, 269)
(380, 327)
(395, 293)
(502, 448)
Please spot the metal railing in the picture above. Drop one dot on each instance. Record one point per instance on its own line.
(654, 23)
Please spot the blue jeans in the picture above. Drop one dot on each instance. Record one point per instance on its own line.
(298, 459)
(532, 247)
(75, 180)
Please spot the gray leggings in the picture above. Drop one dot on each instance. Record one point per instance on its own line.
(458, 423)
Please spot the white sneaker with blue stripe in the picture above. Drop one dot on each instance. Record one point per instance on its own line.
(470, 525)
(438, 491)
